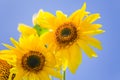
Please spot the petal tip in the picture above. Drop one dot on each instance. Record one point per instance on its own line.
(84, 5)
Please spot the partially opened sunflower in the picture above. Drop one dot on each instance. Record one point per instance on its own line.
(69, 34)
(33, 60)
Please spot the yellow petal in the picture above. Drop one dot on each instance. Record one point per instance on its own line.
(58, 58)
(87, 49)
(97, 26)
(92, 18)
(44, 19)
(89, 27)
(8, 46)
(18, 75)
(44, 75)
(48, 41)
(11, 59)
(94, 42)
(65, 58)
(26, 42)
(16, 44)
(78, 15)
(75, 58)
(50, 19)
(52, 72)
(26, 30)
(50, 60)
(32, 76)
(4, 51)
(61, 17)
(36, 17)
(93, 33)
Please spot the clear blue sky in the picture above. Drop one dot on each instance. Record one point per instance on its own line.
(106, 66)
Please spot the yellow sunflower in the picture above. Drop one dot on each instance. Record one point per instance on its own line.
(68, 34)
(33, 60)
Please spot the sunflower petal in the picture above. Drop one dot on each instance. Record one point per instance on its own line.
(89, 27)
(48, 41)
(16, 44)
(44, 75)
(65, 58)
(43, 19)
(26, 30)
(78, 15)
(21, 73)
(52, 72)
(93, 33)
(97, 26)
(94, 42)
(61, 17)
(11, 59)
(33, 76)
(8, 46)
(92, 18)
(75, 58)
(87, 49)
(50, 59)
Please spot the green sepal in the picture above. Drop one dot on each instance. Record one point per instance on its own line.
(40, 30)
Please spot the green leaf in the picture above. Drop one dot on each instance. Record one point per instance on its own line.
(40, 30)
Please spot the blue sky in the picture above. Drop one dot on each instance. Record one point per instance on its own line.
(106, 66)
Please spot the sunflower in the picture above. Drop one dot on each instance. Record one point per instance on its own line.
(69, 34)
(33, 60)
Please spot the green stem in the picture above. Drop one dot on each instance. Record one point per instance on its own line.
(64, 75)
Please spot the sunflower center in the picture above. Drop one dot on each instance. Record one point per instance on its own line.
(33, 61)
(66, 34)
